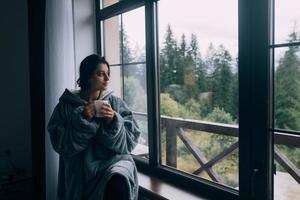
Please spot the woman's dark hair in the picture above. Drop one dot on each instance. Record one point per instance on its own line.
(87, 68)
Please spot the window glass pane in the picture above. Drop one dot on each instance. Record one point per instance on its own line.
(116, 80)
(135, 89)
(124, 43)
(287, 116)
(111, 38)
(106, 3)
(287, 88)
(287, 19)
(287, 178)
(135, 95)
(134, 36)
(199, 86)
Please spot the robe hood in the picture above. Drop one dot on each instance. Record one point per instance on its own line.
(72, 97)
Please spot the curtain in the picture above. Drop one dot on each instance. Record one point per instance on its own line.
(69, 37)
(59, 73)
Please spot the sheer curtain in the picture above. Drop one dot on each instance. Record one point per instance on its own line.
(69, 37)
(59, 73)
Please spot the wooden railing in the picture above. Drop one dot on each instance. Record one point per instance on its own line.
(177, 127)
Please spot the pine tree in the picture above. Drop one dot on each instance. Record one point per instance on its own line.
(234, 103)
(222, 80)
(169, 61)
(194, 47)
(183, 47)
(126, 51)
(287, 88)
(208, 62)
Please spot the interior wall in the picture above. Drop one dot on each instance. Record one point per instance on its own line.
(15, 132)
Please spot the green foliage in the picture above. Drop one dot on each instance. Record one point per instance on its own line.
(202, 77)
(170, 107)
(184, 75)
(193, 106)
(222, 80)
(169, 62)
(206, 108)
(194, 48)
(220, 116)
(177, 93)
(287, 88)
(126, 52)
(235, 97)
(293, 153)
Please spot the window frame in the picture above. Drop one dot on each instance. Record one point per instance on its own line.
(254, 159)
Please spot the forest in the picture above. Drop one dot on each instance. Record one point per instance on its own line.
(205, 87)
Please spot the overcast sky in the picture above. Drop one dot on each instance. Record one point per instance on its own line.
(211, 23)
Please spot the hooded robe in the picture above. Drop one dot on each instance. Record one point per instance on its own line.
(91, 151)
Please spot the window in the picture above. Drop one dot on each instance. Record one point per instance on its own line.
(199, 88)
(196, 74)
(286, 67)
(124, 48)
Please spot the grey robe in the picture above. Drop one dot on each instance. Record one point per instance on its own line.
(92, 151)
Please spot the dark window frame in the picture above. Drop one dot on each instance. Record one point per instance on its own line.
(255, 161)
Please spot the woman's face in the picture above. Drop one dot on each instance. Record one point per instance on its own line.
(100, 77)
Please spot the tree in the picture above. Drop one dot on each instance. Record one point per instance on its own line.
(126, 51)
(220, 116)
(287, 88)
(194, 47)
(222, 80)
(169, 61)
(234, 110)
(183, 46)
(138, 71)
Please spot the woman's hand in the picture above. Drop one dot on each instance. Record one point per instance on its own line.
(89, 111)
(107, 112)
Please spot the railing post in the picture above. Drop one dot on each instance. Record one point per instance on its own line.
(171, 145)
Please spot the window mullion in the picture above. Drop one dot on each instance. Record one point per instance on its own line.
(254, 93)
(152, 83)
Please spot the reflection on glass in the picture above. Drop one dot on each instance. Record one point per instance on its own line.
(135, 91)
(111, 37)
(106, 3)
(287, 19)
(116, 80)
(199, 81)
(134, 36)
(124, 45)
(135, 95)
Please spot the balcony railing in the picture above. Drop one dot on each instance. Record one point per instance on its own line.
(177, 127)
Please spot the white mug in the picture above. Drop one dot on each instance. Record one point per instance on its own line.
(98, 104)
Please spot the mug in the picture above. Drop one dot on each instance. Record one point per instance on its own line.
(98, 104)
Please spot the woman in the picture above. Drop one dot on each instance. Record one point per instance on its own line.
(95, 161)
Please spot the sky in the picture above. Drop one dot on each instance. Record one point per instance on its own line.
(211, 23)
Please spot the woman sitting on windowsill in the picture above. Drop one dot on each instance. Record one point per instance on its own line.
(95, 161)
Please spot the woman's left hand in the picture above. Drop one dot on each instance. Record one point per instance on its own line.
(107, 112)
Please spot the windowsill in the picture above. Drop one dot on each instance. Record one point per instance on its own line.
(159, 189)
